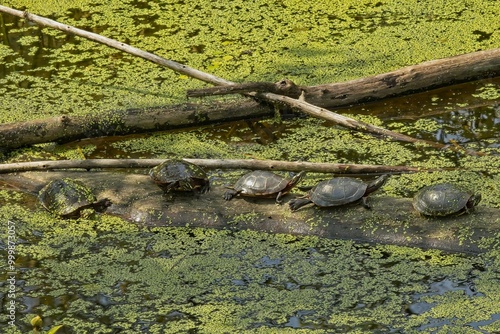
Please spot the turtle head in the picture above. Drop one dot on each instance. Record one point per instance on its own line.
(297, 178)
(102, 205)
(377, 183)
(473, 200)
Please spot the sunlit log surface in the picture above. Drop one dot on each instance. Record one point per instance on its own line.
(391, 220)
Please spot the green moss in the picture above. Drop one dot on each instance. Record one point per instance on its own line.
(250, 217)
(254, 281)
(488, 92)
(106, 275)
(182, 145)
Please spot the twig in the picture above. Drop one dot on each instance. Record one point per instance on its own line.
(282, 87)
(212, 164)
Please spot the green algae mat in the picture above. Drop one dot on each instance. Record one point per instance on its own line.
(107, 275)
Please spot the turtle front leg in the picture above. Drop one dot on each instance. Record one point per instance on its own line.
(229, 194)
(278, 198)
(168, 188)
(364, 201)
(205, 188)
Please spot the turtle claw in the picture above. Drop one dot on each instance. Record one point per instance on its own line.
(228, 195)
(365, 203)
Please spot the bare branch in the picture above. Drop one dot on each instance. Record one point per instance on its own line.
(189, 71)
(212, 164)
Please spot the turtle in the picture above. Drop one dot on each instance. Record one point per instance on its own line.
(67, 198)
(339, 191)
(444, 199)
(180, 175)
(262, 183)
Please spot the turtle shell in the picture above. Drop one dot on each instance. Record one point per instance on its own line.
(441, 200)
(180, 175)
(66, 197)
(337, 191)
(260, 183)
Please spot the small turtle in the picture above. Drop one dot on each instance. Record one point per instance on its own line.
(339, 191)
(68, 198)
(262, 183)
(444, 199)
(180, 175)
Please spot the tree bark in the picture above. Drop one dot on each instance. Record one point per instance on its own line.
(425, 76)
(382, 224)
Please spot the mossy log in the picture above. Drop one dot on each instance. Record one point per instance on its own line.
(390, 221)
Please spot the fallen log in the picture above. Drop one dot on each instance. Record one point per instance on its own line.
(411, 79)
(253, 164)
(68, 128)
(424, 76)
(136, 199)
(400, 82)
(282, 87)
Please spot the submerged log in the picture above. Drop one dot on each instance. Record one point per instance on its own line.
(136, 199)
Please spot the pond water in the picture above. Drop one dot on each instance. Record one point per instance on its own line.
(107, 275)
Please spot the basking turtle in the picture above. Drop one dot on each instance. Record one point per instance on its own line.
(180, 175)
(262, 183)
(444, 199)
(339, 191)
(68, 198)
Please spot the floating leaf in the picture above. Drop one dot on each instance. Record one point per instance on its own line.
(36, 322)
(54, 330)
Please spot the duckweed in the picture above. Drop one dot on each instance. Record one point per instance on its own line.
(106, 275)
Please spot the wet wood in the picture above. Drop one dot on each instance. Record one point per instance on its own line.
(138, 200)
(253, 164)
(411, 79)
(282, 87)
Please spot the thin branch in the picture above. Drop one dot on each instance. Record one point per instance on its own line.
(212, 164)
(189, 71)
